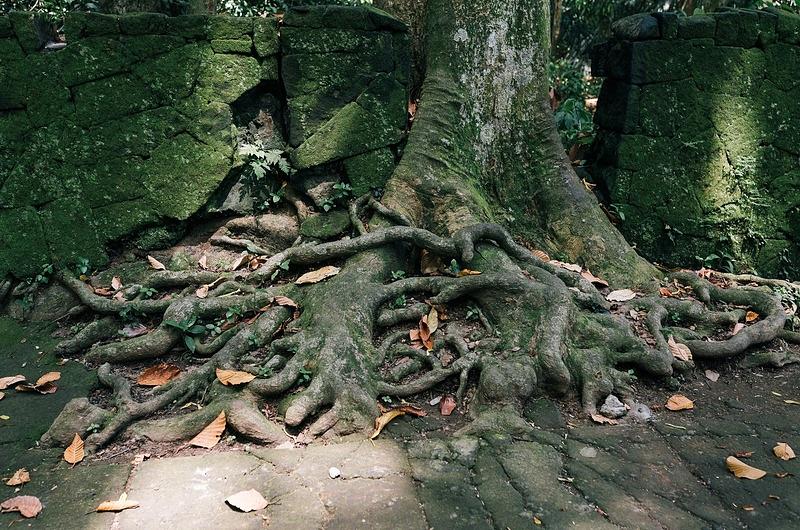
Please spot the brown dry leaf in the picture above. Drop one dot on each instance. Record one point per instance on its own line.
(679, 402)
(783, 475)
(620, 295)
(751, 316)
(318, 275)
(247, 501)
(384, 419)
(748, 507)
(202, 291)
(233, 377)
(569, 266)
(599, 418)
(102, 291)
(433, 320)
(468, 272)
(49, 377)
(783, 451)
(447, 405)
(738, 327)
(791, 402)
(203, 262)
(27, 505)
(663, 291)
(541, 254)
(587, 275)
(134, 330)
(211, 434)
(285, 301)
(21, 476)
(158, 375)
(119, 296)
(6, 382)
(413, 410)
(243, 258)
(430, 264)
(157, 265)
(712, 376)
(2, 395)
(116, 283)
(678, 350)
(117, 506)
(742, 470)
(74, 453)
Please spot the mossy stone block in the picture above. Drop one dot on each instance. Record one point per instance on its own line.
(737, 28)
(24, 29)
(148, 46)
(348, 17)
(659, 60)
(669, 108)
(226, 77)
(242, 46)
(697, 27)
(143, 24)
(783, 65)
(265, 36)
(326, 225)
(5, 27)
(788, 25)
(113, 97)
(668, 24)
(173, 75)
(83, 24)
(23, 247)
(194, 27)
(642, 26)
(618, 106)
(269, 68)
(93, 58)
(324, 40)
(370, 170)
(70, 233)
(227, 27)
(728, 70)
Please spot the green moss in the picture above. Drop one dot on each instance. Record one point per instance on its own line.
(78, 25)
(143, 23)
(370, 170)
(243, 46)
(226, 77)
(326, 225)
(70, 234)
(265, 36)
(364, 18)
(93, 58)
(22, 22)
(23, 247)
(112, 97)
(225, 27)
(727, 70)
(147, 46)
(737, 28)
(172, 76)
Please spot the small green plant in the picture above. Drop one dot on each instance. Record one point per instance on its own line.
(304, 376)
(283, 266)
(720, 262)
(574, 122)
(82, 266)
(398, 275)
(386, 399)
(94, 427)
(234, 313)
(265, 372)
(614, 208)
(190, 329)
(454, 267)
(399, 302)
(265, 172)
(147, 292)
(473, 313)
(341, 192)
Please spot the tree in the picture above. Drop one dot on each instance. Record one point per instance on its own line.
(483, 162)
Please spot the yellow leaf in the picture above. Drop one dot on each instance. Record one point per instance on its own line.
(21, 476)
(211, 434)
(318, 275)
(620, 295)
(157, 265)
(541, 254)
(74, 453)
(742, 470)
(783, 451)
(537, 521)
(433, 320)
(751, 316)
(384, 419)
(599, 418)
(678, 350)
(663, 291)
(247, 501)
(27, 505)
(4, 417)
(233, 377)
(679, 402)
(468, 272)
(117, 506)
(116, 283)
(158, 375)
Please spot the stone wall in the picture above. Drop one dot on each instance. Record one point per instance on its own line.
(699, 137)
(133, 126)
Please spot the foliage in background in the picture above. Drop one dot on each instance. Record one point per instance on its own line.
(265, 172)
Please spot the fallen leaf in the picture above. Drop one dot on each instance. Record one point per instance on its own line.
(748, 507)
(5, 417)
(743, 454)
(537, 521)
(783, 475)
(116, 283)
(433, 320)
(318, 275)
(27, 505)
(663, 291)
(158, 375)
(117, 506)
(541, 254)
(783, 451)
(447, 405)
(742, 470)
(678, 350)
(49, 377)
(119, 296)
(430, 264)
(211, 434)
(102, 291)
(599, 418)
(620, 295)
(202, 291)
(587, 275)
(384, 419)
(21, 476)
(134, 330)
(203, 262)
(468, 272)
(247, 501)
(6, 382)
(569, 266)
(712, 376)
(738, 327)
(412, 410)
(233, 377)
(74, 453)
(44, 385)
(2, 395)
(679, 402)
(791, 402)
(285, 301)
(243, 258)
(751, 316)
(157, 265)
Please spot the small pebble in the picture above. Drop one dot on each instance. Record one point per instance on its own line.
(334, 472)
(435, 401)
